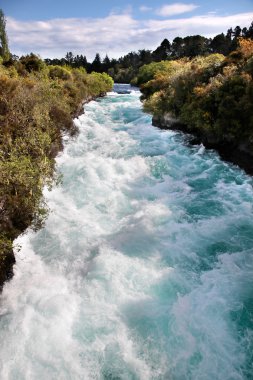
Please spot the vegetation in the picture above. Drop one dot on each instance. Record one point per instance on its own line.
(37, 105)
(212, 95)
(4, 49)
(125, 69)
(206, 83)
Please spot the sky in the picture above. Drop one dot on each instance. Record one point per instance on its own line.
(50, 28)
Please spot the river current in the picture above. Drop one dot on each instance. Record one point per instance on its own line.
(144, 269)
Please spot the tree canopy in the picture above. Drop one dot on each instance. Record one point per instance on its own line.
(125, 68)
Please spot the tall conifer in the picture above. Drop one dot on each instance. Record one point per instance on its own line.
(4, 49)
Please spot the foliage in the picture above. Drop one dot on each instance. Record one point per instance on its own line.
(32, 62)
(148, 72)
(102, 81)
(212, 95)
(37, 105)
(58, 72)
(125, 69)
(4, 49)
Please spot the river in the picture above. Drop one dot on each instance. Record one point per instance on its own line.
(144, 269)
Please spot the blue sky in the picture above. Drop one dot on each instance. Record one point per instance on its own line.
(114, 27)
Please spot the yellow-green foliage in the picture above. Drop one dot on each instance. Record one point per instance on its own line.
(209, 94)
(98, 80)
(59, 72)
(149, 72)
(37, 104)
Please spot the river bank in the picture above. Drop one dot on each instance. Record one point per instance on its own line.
(239, 154)
(37, 107)
(7, 256)
(209, 97)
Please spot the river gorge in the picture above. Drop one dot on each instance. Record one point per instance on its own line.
(144, 267)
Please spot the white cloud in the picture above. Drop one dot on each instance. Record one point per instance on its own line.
(144, 8)
(114, 35)
(175, 9)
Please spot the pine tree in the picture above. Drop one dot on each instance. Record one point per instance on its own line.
(250, 31)
(69, 57)
(106, 63)
(96, 64)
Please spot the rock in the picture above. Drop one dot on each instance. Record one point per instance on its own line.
(239, 153)
(166, 121)
(7, 260)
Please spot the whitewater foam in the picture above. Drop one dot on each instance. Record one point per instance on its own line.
(144, 267)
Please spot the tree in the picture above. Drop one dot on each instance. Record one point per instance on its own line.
(32, 62)
(83, 61)
(229, 34)
(195, 45)
(79, 61)
(250, 31)
(219, 44)
(96, 64)
(145, 56)
(106, 63)
(4, 49)
(177, 47)
(237, 32)
(244, 32)
(69, 58)
(163, 51)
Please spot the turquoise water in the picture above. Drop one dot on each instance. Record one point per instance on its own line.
(144, 269)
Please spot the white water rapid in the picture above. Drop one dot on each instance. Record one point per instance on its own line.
(144, 269)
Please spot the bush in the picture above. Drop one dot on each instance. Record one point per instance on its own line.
(99, 83)
(212, 95)
(59, 72)
(32, 62)
(36, 106)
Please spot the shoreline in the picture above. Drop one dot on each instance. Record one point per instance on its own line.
(8, 257)
(239, 155)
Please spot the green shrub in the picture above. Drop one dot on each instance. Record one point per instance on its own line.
(59, 72)
(32, 62)
(36, 106)
(211, 94)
